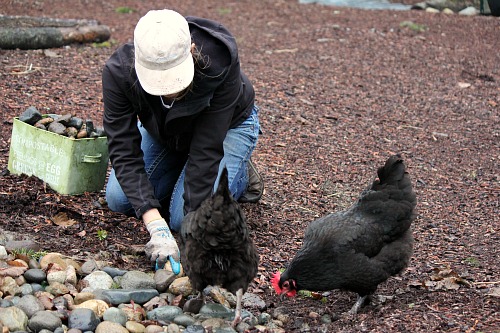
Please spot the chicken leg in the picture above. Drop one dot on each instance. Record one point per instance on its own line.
(359, 303)
(237, 312)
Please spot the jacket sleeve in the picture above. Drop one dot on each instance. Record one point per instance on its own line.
(124, 138)
(206, 150)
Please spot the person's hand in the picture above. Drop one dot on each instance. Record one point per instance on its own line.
(162, 246)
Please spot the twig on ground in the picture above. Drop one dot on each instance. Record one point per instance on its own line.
(28, 69)
(412, 127)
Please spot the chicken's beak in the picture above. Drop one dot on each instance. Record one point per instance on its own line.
(285, 292)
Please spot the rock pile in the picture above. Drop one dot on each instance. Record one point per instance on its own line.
(462, 7)
(58, 294)
(66, 125)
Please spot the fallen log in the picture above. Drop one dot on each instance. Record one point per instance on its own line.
(26, 32)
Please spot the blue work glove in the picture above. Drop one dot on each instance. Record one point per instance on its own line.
(162, 246)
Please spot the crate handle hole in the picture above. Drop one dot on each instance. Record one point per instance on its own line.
(92, 158)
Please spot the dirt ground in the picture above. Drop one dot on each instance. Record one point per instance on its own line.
(339, 90)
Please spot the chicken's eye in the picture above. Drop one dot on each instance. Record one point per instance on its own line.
(286, 284)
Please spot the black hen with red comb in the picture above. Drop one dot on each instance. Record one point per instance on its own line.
(361, 247)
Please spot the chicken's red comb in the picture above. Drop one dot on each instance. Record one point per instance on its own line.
(275, 282)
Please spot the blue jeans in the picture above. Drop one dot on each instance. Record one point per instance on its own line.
(166, 169)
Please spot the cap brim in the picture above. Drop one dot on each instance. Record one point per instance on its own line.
(166, 82)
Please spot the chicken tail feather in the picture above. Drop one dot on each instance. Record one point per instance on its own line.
(391, 198)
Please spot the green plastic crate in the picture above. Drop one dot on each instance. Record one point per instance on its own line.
(69, 166)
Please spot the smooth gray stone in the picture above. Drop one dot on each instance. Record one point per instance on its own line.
(44, 320)
(184, 320)
(119, 296)
(35, 275)
(216, 310)
(83, 319)
(113, 272)
(164, 313)
(194, 329)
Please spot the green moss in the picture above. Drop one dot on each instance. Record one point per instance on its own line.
(472, 261)
(124, 10)
(29, 253)
(224, 10)
(413, 26)
(102, 45)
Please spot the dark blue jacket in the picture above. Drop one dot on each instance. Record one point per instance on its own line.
(221, 98)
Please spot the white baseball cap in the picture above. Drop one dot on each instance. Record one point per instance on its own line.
(163, 59)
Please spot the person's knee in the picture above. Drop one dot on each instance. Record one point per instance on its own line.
(119, 205)
(175, 223)
(117, 201)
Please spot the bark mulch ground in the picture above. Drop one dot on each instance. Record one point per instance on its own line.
(340, 90)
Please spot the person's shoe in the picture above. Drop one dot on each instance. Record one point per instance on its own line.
(255, 187)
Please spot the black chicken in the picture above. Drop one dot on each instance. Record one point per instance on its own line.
(216, 248)
(360, 247)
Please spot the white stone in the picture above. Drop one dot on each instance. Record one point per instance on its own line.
(3, 253)
(98, 280)
(469, 11)
(431, 10)
(56, 276)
